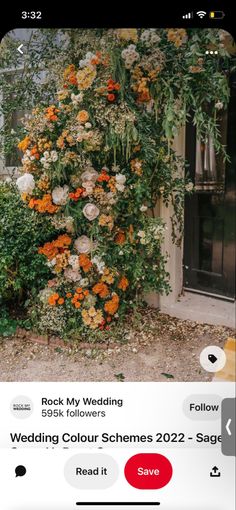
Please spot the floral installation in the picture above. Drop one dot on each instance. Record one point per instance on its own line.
(98, 158)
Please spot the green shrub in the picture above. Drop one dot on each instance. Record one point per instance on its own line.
(22, 231)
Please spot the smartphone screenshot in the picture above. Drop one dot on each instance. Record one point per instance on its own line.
(117, 259)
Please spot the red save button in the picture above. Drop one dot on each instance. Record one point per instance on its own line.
(148, 471)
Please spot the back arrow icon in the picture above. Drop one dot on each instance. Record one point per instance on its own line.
(227, 427)
(20, 49)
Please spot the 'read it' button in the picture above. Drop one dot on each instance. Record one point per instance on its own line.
(148, 471)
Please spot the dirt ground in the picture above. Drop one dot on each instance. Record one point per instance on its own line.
(159, 348)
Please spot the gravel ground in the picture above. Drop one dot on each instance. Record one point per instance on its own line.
(159, 348)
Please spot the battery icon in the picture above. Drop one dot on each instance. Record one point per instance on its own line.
(217, 14)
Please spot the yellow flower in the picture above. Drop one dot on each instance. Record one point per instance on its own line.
(85, 77)
(94, 320)
(82, 116)
(92, 312)
(106, 220)
(128, 34)
(177, 35)
(24, 144)
(107, 276)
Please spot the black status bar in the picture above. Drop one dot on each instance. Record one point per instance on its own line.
(79, 15)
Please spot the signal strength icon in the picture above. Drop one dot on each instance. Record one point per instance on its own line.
(201, 14)
(189, 15)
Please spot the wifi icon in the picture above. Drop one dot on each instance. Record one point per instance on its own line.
(201, 14)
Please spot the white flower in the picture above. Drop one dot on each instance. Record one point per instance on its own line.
(49, 157)
(83, 244)
(120, 187)
(99, 263)
(143, 208)
(74, 261)
(219, 105)
(120, 181)
(26, 183)
(88, 125)
(84, 282)
(111, 198)
(89, 187)
(130, 55)
(54, 156)
(150, 37)
(90, 211)
(44, 295)
(115, 168)
(60, 195)
(51, 263)
(69, 224)
(89, 175)
(120, 178)
(87, 60)
(72, 275)
(141, 233)
(77, 98)
(189, 186)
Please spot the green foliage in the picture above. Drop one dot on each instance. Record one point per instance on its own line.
(7, 324)
(22, 271)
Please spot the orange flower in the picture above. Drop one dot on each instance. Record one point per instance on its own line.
(74, 299)
(76, 194)
(144, 96)
(68, 295)
(61, 301)
(24, 144)
(120, 237)
(111, 97)
(123, 283)
(34, 152)
(52, 300)
(85, 262)
(77, 304)
(70, 75)
(51, 113)
(112, 184)
(62, 241)
(50, 250)
(69, 69)
(112, 305)
(107, 276)
(101, 289)
(43, 205)
(103, 177)
(83, 116)
(32, 203)
(136, 166)
(72, 79)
